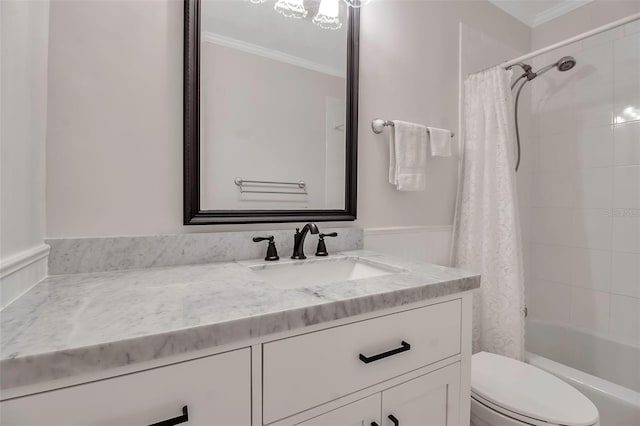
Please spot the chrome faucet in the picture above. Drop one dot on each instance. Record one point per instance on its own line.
(298, 240)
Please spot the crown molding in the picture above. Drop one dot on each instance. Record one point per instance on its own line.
(513, 8)
(557, 10)
(276, 55)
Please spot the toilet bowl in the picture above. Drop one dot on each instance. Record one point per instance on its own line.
(507, 392)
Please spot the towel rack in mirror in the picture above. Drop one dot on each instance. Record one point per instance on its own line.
(271, 187)
(378, 125)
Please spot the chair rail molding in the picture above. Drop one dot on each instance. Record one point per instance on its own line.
(21, 271)
(407, 229)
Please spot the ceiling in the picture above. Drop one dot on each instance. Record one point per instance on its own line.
(536, 12)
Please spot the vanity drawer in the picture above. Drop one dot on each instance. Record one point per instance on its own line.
(216, 391)
(311, 369)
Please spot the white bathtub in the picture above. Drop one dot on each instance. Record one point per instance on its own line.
(593, 365)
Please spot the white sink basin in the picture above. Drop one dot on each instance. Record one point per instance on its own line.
(308, 273)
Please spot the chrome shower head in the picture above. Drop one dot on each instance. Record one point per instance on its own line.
(566, 63)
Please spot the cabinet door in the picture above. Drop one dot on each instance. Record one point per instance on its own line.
(365, 412)
(429, 400)
(216, 391)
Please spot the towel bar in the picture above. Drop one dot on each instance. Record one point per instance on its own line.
(260, 185)
(378, 125)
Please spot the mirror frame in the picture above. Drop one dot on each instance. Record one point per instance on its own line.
(193, 214)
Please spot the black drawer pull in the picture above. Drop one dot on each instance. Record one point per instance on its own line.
(176, 420)
(394, 420)
(374, 424)
(367, 359)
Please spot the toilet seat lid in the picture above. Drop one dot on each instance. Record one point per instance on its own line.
(529, 391)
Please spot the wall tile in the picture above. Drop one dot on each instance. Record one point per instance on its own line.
(555, 152)
(550, 263)
(590, 309)
(627, 144)
(626, 233)
(585, 190)
(553, 188)
(592, 188)
(632, 27)
(594, 147)
(627, 79)
(625, 318)
(551, 225)
(591, 269)
(553, 103)
(550, 308)
(594, 77)
(591, 229)
(626, 188)
(625, 275)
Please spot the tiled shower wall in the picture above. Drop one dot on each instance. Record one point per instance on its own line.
(582, 200)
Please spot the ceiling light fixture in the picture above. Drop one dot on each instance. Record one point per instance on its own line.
(328, 16)
(291, 8)
(356, 3)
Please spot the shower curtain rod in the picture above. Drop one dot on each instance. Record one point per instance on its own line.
(579, 37)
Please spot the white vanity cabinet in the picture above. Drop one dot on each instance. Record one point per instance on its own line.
(365, 412)
(428, 400)
(216, 391)
(407, 366)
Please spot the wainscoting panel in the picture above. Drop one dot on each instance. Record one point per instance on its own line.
(424, 243)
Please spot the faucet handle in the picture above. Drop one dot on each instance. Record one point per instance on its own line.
(258, 239)
(333, 234)
(322, 247)
(272, 252)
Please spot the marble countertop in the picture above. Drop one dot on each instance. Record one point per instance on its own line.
(70, 325)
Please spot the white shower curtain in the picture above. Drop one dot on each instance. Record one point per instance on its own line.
(487, 231)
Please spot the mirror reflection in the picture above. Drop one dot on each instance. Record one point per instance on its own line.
(272, 104)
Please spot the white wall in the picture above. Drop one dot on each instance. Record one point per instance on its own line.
(410, 53)
(23, 40)
(585, 181)
(115, 132)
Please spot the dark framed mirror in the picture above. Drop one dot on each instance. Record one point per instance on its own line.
(270, 111)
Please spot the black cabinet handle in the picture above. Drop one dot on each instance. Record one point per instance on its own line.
(374, 424)
(176, 420)
(367, 359)
(394, 420)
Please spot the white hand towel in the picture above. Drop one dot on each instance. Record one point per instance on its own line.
(440, 142)
(408, 156)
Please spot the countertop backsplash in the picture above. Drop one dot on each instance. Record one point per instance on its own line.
(81, 255)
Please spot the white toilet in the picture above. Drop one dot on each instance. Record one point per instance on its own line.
(507, 392)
